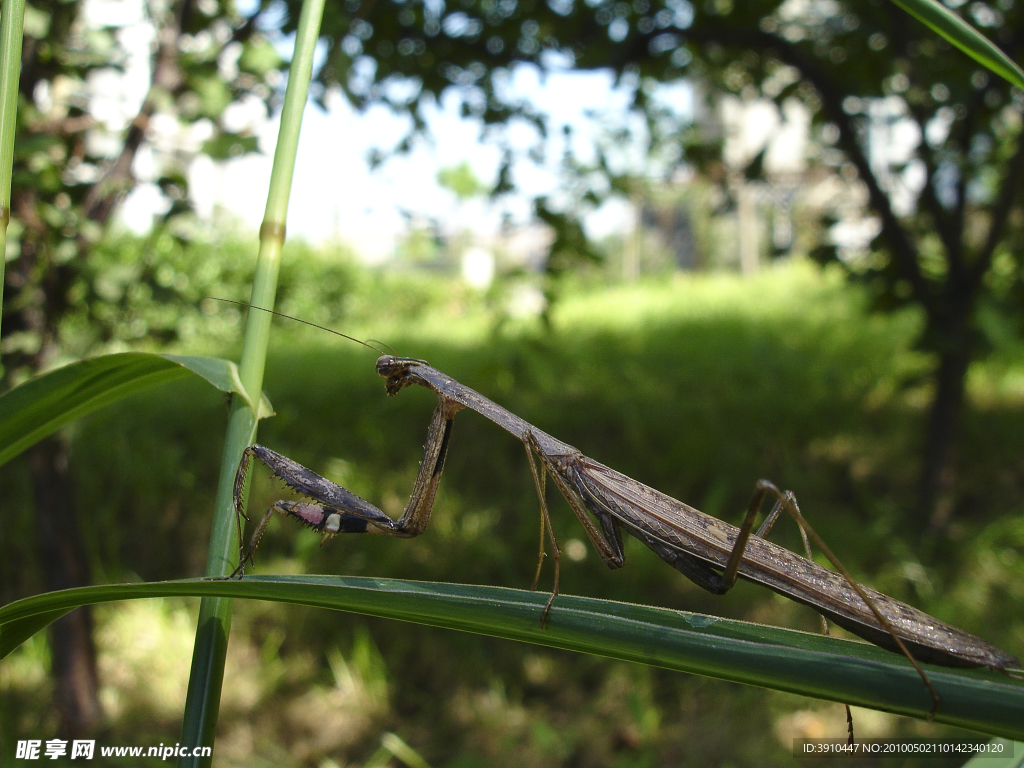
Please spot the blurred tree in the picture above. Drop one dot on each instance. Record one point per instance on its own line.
(75, 161)
(948, 212)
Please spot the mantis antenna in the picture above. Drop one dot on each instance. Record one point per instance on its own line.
(304, 322)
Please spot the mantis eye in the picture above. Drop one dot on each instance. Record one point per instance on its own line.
(386, 365)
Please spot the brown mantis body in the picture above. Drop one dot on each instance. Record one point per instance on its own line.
(707, 550)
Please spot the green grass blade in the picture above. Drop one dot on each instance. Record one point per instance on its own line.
(947, 24)
(12, 20)
(46, 403)
(770, 657)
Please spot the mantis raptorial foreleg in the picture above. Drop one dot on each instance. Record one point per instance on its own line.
(337, 510)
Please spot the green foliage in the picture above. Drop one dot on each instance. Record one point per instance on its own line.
(461, 180)
(150, 292)
(71, 170)
(421, 246)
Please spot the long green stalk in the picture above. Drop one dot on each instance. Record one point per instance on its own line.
(12, 17)
(203, 700)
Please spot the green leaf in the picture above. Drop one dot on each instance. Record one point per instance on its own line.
(947, 24)
(226, 145)
(770, 657)
(223, 374)
(214, 94)
(44, 404)
(259, 56)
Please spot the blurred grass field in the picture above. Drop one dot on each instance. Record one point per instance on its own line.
(697, 386)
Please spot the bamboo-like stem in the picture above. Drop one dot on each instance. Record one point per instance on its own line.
(12, 17)
(203, 699)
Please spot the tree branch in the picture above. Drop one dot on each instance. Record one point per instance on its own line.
(900, 245)
(948, 225)
(166, 76)
(1000, 213)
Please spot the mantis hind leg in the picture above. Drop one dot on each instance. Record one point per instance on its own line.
(787, 501)
(545, 527)
(762, 532)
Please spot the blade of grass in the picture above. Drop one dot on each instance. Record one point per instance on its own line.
(771, 657)
(947, 24)
(12, 19)
(207, 674)
(47, 402)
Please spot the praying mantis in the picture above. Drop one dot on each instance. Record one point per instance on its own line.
(708, 551)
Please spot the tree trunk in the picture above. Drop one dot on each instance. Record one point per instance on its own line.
(935, 499)
(76, 681)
